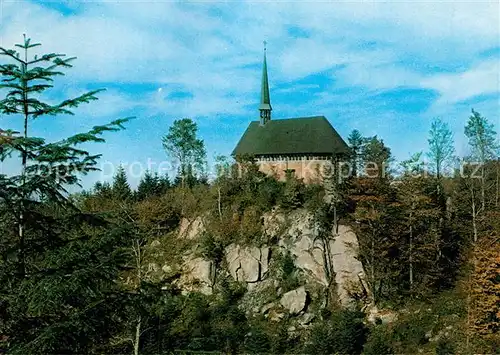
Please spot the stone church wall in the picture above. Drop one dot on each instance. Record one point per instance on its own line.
(310, 170)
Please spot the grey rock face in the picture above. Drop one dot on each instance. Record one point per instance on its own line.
(319, 262)
(249, 264)
(191, 229)
(197, 271)
(294, 301)
(339, 252)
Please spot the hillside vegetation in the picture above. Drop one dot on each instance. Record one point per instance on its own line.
(116, 270)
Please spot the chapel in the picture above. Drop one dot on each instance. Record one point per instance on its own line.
(302, 146)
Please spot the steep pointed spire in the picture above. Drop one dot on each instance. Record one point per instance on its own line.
(265, 100)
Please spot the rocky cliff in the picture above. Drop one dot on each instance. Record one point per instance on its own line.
(320, 270)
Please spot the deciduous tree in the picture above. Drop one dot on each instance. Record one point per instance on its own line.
(482, 141)
(183, 145)
(421, 218)
(441, 149)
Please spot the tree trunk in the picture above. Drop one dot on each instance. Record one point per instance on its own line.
(411, 251)
(438, 178)
(183, 178)
(372, 267)
(138, 262)
(474, 214)
(182, 163)
(469, 315)
(326, 268)
(137, 336)
(438, 239)
(470, 306)
(483, 188)
(21, 226)
(438, 170)
(335, 221)
(498, 183)
(219, 203)
(330, 270)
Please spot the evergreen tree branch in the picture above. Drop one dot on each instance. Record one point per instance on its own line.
(12, 54)
(45, 58)
(62, 108)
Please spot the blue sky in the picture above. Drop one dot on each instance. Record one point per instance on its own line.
(384, 68)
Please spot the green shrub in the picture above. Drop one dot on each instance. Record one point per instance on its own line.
(257, 341)
(321, 340)
(378, 342)
(343, 333)
(288, 272)
(288, 264)
(211, 248)
(313, 197)
(411, 333)
(279, 339)
(445, 347)
(292, 196)
(268, 193)
(192, 329)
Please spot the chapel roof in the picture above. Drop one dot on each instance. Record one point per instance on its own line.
(302, 135)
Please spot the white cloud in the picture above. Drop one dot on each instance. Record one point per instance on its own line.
(201, 44)
(214, 50)
(479, 80)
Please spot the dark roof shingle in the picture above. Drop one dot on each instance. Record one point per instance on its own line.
(314, 135)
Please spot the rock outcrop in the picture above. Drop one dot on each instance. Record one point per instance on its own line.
(319, 263)
(191, 229)
(384, 316)
(349, 272)
(197, 274)
(249, 264)
(295, 301)
(317, 259)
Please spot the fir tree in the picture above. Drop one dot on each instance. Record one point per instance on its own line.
(344, 333)
(121, 188)
(103, 189)
(163, 184)
(376, 158)
(378, 233)
(356, 142)
(148, 186)
(56, 281)
(378, 343)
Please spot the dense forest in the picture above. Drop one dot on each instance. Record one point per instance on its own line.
(79, 271)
